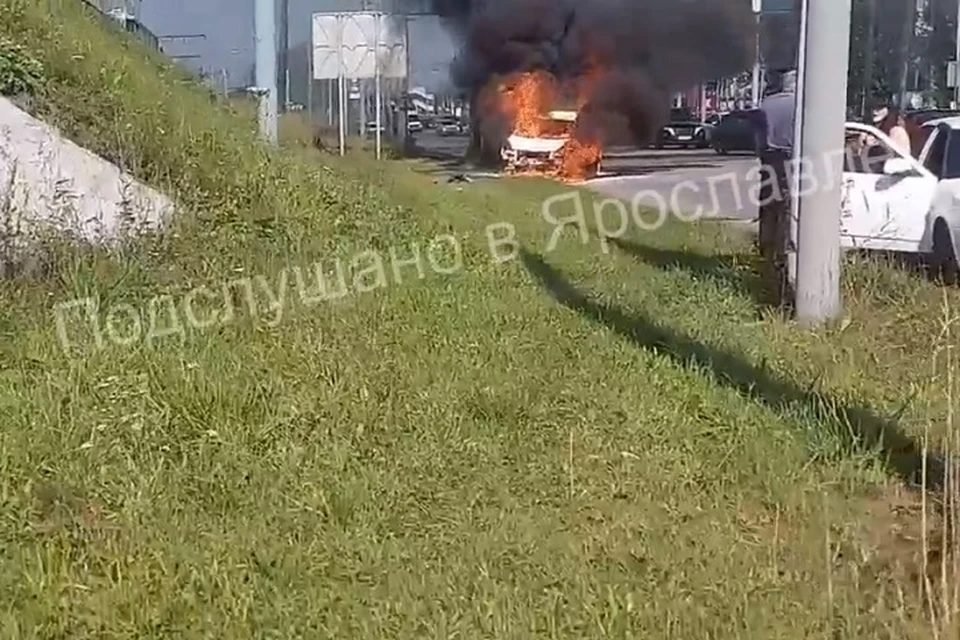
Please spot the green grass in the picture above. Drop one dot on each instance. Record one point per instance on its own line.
(570, 444)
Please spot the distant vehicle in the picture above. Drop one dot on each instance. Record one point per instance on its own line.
(449, 126)
(683, 130)
(414, 124)
(371, 128)
(738, 131)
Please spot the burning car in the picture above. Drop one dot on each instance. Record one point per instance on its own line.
(544, 152)
(545, 141)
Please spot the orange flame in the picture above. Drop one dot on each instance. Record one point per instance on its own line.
(526, 100)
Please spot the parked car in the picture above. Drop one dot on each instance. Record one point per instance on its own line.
(414, 125)
(921, 116)
(684, 131)
(915, 122)
(738, 131)
(371, 129)
(715, 118)
(449, 126)
(895, 202)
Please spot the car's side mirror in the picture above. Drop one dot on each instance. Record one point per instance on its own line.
(897, 167)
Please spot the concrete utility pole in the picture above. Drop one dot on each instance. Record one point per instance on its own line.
(824, 58)
(265, 30)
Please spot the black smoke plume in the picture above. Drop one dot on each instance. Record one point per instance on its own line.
(649, 50)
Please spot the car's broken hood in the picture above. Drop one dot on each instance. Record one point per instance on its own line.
(536, 145)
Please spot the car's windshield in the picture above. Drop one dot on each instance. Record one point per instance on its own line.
(681, 114)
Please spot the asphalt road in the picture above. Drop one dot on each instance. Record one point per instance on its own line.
(694, 183)
(687, 182)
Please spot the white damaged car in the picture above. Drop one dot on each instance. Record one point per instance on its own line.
(520, 153)
(895, 202)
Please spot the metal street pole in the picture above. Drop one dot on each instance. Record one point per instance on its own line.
(703, 102)
(378, 91)
(362, 99)
(956, 57)
(755, 85)
(329, 85)
(341, 89)
(311, 116)
(906, 47)
(868, 57)
(800, 7)
(284, 67)
(265, 30)
(825, 56)
(406, 89)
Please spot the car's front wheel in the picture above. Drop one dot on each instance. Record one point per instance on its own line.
(943, 261)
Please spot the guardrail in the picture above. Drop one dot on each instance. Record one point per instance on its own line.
(119, 19)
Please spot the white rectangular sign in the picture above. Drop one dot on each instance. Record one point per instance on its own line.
(353, 45)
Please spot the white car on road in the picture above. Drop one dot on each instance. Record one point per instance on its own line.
(906, 204)
(526, 152)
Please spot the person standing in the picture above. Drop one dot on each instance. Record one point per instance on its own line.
(891, 121)
(778, 111)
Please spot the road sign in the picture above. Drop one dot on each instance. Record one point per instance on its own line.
(353, 45)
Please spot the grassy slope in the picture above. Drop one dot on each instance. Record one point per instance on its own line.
(572, 444)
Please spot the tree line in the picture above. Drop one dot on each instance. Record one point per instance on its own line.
(896, 47)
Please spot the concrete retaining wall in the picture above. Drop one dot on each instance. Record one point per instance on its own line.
(47, 180)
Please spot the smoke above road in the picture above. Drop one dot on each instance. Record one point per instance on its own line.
(637, 53)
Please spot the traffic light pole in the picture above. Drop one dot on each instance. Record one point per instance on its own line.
(822, 95)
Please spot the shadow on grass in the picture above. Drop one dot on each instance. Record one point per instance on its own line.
(856, 427)
(737, 272)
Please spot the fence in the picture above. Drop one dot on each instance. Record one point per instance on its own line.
(119, 17)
